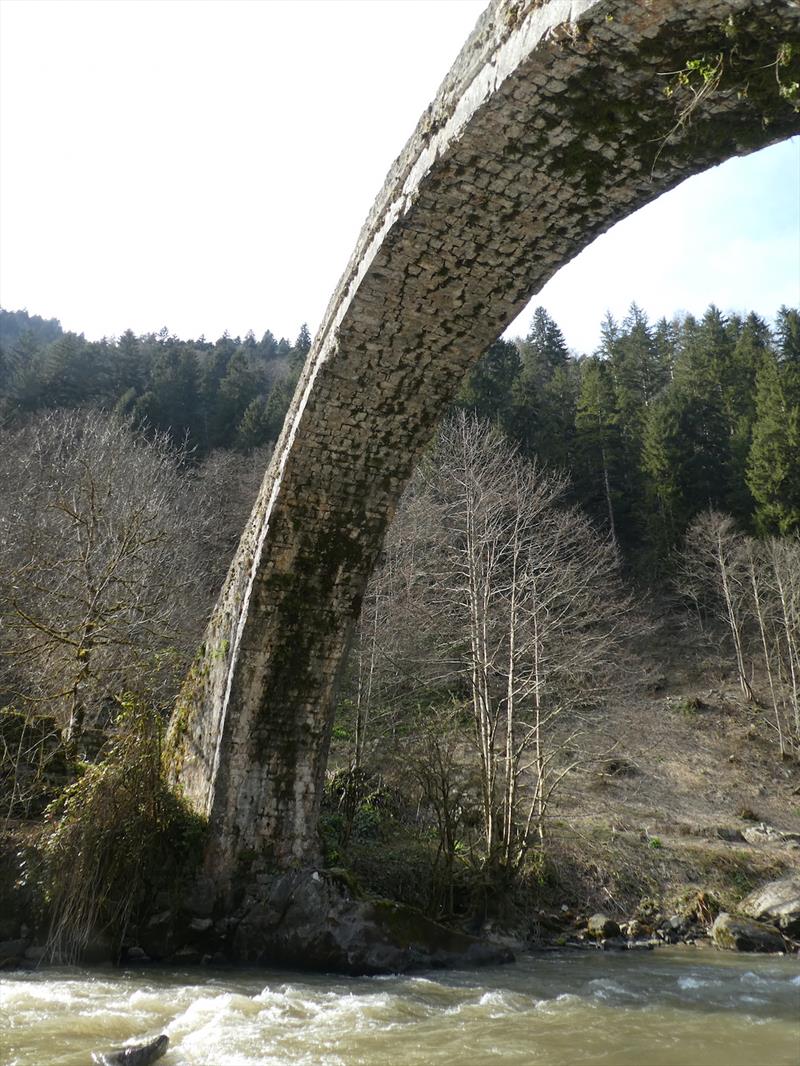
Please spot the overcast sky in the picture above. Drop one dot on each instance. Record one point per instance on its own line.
(208, 165)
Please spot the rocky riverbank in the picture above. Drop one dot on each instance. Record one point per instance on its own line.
(317, 919)
(658, 852)
(313, 919)
(767, 920)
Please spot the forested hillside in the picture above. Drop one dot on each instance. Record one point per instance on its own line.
(508, 637)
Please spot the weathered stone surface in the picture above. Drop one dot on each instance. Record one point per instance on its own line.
(777, 902)
(600, 926)
(552, 125)
(735, 933)
(310, 920)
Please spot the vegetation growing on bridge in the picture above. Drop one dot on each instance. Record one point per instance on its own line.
(120, 835)
(743, 63)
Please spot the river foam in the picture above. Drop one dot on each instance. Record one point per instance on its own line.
(666, 1009)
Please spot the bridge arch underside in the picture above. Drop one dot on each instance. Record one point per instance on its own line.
(556, 121)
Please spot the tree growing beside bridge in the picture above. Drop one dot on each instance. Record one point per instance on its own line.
(752, 587)
(100, 595)
(508, 600)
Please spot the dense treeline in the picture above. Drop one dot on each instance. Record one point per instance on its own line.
(661, 422)
(233, 393)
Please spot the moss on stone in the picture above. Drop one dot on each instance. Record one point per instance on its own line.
(409, 928)
(339, 875)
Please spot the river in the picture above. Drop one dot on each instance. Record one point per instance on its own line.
(670, 1007)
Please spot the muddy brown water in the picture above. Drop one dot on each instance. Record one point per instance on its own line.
(671, 1007)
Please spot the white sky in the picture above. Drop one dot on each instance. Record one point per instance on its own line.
(207, 165)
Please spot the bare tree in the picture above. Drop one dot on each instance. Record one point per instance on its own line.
(782, 556)
(102, 592)
(538, 604)
(396, 665)
(494, 594)
(444, 773)
(761, 608)
(225, 487)
(753, 587)
(712, 571)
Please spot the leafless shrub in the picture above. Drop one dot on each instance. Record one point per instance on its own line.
(753, 587)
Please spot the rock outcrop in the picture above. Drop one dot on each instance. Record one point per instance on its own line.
(768, 834)
(310, 919)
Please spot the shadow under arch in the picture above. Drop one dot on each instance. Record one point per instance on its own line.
(558, 119)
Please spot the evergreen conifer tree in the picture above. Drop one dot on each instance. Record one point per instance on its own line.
(488, 388)
(773, 468)
(254, 428)
(598, 443)
(545, 393)
(302, 345)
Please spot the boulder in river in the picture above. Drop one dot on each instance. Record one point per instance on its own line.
(777, 902)
(737, 933)
(138, 1055)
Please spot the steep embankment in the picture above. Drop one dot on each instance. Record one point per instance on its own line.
(679, 803)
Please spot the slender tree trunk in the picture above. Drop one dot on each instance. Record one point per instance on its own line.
(793, 659)
(537, 724)
(733, 621)
(767, 657)
(476, 596)
(510, 761)
(607, 487)
(77, 704)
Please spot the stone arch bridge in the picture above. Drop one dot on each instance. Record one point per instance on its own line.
(559, 118)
